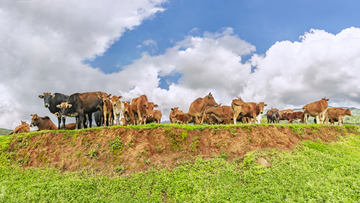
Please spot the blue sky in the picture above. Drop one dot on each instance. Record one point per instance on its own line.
(261, 23)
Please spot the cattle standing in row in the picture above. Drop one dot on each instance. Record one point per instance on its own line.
(290, 117)
(222, 114)
(314, 109)
(80, 104)
(155, 118)
(107, 109)
(197, 108)
(141, 108)
(23, 128)
(337, 114)
(246, 109)
(273, 115)
(118, 109)
(43, 123)
(51, 101)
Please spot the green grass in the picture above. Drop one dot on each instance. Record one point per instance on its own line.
(312, 172)
(4, 131)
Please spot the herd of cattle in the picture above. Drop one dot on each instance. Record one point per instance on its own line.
(112, 111)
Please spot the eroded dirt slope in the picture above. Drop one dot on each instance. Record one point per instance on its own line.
(126, 150)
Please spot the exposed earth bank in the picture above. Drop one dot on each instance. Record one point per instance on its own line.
(124, 150)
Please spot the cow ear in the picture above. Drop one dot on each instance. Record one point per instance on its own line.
(265, 104)
(53, 95)
(119, 97)
(41, 96)
(109, 95)
(58, 106)
(172, 109)
(31, 114)
(69, 105)
(156, 105)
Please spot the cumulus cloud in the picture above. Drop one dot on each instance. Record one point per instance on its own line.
(321, 64)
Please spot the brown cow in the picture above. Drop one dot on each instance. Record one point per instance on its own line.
(43, 123)
(281, 113)
(223, 114)
(314, 109)
(23, 128)
(118, 108)
(246, 109)
(127, 114)
(174, 111)
(156, 117)
(197, 108)
(141, 108)
(70, 126)
(337, 114)
(108, 110)
(273, 115)
(290, 117)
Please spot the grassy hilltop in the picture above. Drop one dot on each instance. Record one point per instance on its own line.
(194, 163)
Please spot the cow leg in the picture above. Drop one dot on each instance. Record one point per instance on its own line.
(90, 119)
(318, 119)
(59, 121)
(81, 119)
(63, 121)
(236, 114)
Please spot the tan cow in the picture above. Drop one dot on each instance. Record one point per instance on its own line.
(290, 117)
(43, 123)
(156, 117)
(23, 128)
(223, 114)
(282, 112)
(316, 109)
(118, 109)
(107, 110)
(174, 111)
(141, 108)
(247, 109)
(197, 108)
(337, 114)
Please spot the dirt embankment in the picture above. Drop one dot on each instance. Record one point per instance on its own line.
(126, 150)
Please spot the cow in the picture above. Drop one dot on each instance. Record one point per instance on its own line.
(197, 108)
(118, 109)
(43, 123)
(181, 118)
(98, 117)
(141, 108)
(246, 109)
(282, 112)
(23, 128)
(70, 126)
(80, 104)
(337, 114)
(127, 113)
(273, 115)
(155, 117)
(51, 101)
(223, 114)
(316, 109)
(173, 112)
(290, 117)
(107, 109)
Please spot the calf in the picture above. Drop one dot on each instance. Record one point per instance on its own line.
(273, 115)
(156, 117)
(118, 109)
(127, 114)
(290, 117)
(43, 123)
(107, 109)
(23, 128)
(182, 118)
(174, 111)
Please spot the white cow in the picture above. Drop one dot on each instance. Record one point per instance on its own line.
(118, 109)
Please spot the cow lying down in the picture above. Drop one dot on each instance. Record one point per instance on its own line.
(43, 123)
(23, 128)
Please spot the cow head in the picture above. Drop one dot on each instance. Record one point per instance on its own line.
(64, 108)
(23, 123)
(47, 97)
(211, 109)
(35, 119)
(210, 101)
(324, 99)
(149, 108)
(348, 112)
(114, 99)
(105, 97)
(261, 106)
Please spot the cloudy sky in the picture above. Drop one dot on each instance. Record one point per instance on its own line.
(285, 53)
